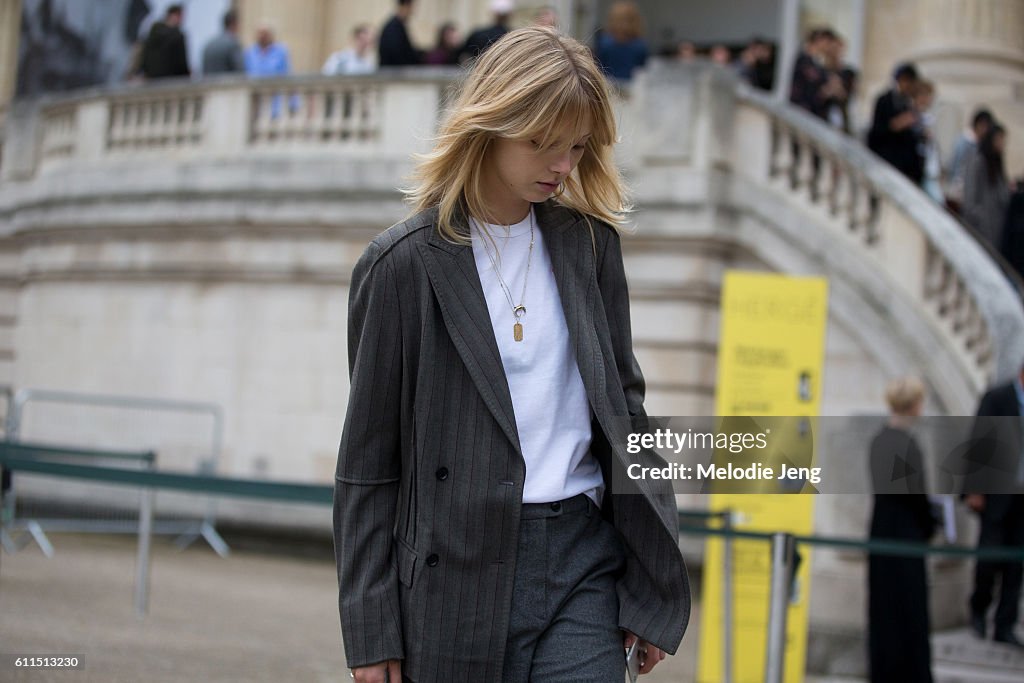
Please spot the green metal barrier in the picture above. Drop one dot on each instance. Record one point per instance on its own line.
(23, 450)
(874, 547)
(190, 483)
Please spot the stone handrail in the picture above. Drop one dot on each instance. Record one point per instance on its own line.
(231, 116)
(923, 249)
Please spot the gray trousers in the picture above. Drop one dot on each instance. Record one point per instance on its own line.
(564, 622)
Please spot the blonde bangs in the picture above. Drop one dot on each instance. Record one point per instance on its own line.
(532, 84)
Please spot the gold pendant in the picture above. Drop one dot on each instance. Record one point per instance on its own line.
(517, 331)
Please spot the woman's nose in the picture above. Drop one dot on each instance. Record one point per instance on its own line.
(562, 163)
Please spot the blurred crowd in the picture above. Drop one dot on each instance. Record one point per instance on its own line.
(162, 53)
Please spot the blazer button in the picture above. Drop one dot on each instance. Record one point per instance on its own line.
(556, 506)
(441, 474)
(432, 560)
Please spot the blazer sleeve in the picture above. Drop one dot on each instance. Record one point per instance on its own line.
(654, 593)
(369, 466)
(615, 294)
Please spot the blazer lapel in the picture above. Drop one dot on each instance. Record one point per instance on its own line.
(572, 259)
(452, 272)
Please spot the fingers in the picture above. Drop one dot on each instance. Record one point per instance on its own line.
(628, 640)
(649, 657)
(385, 672)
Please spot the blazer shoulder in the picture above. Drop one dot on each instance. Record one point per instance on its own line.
(389, 243)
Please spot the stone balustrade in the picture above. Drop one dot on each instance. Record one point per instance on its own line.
(231, 117)
(915, 244)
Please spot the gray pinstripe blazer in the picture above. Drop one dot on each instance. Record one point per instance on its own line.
(430, 473)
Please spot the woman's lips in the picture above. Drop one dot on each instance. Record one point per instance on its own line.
(550, 187)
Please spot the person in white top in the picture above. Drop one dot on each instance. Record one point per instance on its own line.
(485, 525)
(358, 59)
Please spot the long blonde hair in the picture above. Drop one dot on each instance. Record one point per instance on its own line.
(523, 87)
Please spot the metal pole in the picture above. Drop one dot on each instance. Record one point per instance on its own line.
(142, 561)
(727, 600)
(783, 546)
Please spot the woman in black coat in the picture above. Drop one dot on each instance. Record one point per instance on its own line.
(898, 629)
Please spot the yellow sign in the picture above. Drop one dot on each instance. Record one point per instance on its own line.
(770, 357)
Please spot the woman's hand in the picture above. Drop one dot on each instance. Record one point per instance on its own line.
(384, 672)
(649, 655)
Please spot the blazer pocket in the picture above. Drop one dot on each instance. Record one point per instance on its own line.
(405, 558)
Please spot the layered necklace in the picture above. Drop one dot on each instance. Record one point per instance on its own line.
(518, 310)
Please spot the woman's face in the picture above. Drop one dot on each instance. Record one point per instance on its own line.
(518, 173)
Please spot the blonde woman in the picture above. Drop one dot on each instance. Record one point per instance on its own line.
(485, 529)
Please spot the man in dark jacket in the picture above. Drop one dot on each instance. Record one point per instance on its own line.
(164, 54)
(1013, 231)
(480, 39)
(223, 54)
(998, 449)
(395, 48)
(892, 135)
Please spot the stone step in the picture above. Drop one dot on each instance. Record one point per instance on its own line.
(960, 647)
(957, 673)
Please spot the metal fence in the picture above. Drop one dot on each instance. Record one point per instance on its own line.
(140, 425)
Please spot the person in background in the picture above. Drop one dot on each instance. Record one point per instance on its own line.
(809, 74)
(1012, 247)
(480, 39)
(357, 59)
(394, 47)
(996, 444)
(720, 55)
(266, 57)
(223, 54)
(164, 54)
(923, 97)
(621, 48)
(892, 135)
(546, 16)
(756, 64)
(446, 51)
(686, 52)
(964, 150)
(986, 191)
(898, 625)
(841, 82)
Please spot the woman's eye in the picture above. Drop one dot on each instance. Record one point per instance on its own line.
(579, 148)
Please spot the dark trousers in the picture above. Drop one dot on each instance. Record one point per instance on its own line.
(1007, 531)
(564, 622)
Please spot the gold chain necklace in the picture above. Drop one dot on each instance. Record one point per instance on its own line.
(518, 311)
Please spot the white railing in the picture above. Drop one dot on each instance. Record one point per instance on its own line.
(378, 116)
(160, 122)
(346, 114)
(59, 132)
(921, 249)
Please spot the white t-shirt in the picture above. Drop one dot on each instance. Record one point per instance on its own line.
(551, 407)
